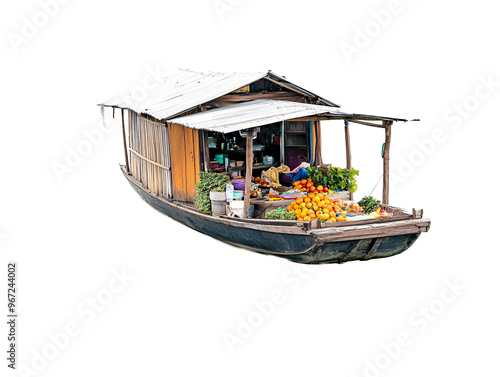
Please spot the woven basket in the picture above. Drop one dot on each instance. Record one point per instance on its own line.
(324, 169)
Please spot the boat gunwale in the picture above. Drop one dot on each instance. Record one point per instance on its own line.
(321, 234)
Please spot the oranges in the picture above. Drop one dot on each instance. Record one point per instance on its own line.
(307, 185)
(317, 206)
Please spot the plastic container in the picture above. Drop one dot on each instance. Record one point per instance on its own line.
(237, 209)
(219, 158)
(218, 196)
(238, 194)
(218, 208)
(268, 160)
(238, 183)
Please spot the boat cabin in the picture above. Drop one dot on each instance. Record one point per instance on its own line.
(239, 123)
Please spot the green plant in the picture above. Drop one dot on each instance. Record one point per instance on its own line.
(207, 182)
(335, 178)
(280, 214)
(369, 203)
(221, 188)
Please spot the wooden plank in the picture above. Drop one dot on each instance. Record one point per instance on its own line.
(367, 123)
(289, 88)
(189, 173)
(385, 190)
(248, 176)
(178, 161)
(197, 159)
(125, 142)
(148, 160)
(384, 230)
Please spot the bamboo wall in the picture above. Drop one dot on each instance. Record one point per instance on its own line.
(150, 154)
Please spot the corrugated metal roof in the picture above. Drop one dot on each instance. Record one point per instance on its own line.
(187, 89)
(251, 114)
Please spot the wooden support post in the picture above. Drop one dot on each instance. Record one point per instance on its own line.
(125, 142)
(347, 145)
(348, 150)
(385, 191)
(248, 176)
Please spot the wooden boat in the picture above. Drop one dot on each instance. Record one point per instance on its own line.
(168, 145)
(298, 242)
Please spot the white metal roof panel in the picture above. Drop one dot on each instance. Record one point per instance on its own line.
(183, 91)
(251, 114)
(187, 89)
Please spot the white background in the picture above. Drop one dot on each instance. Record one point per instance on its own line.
(189, 290)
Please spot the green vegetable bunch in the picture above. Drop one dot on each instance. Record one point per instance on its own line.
(280, 214)
(207, 182)
(335, 178)
(369, 203)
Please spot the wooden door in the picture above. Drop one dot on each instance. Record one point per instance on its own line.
(185, 161)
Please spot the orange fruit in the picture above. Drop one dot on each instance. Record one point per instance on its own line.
(325, 210)
(329, 208)
(298, 187)
(289, 208)
(303, 182)
(333, 215)
(295, 206)
(300, 219)
(321, 204)
(299, 200)
(313, 216)
(315, 199)
(324, 217)
(315, 207)
(297, 212)
(307, 200)
(320, 188)
(313, 188)
(303, 214)
(309, 205)
(310, 195)
(307, 218)
(309, 211)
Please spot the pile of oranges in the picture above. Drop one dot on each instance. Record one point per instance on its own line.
(317, 206)
(307, 185)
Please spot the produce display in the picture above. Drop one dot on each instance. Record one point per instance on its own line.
(307, 185)
(207, 182)
(318, 206)
(334, 178)
(369, 203)
(379, 213)
(280, 214)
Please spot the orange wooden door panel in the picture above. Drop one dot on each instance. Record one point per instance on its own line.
(185, 155)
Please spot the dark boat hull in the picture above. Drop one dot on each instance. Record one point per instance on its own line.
(287, 242)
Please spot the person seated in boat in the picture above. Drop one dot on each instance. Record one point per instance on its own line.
(297, 174)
